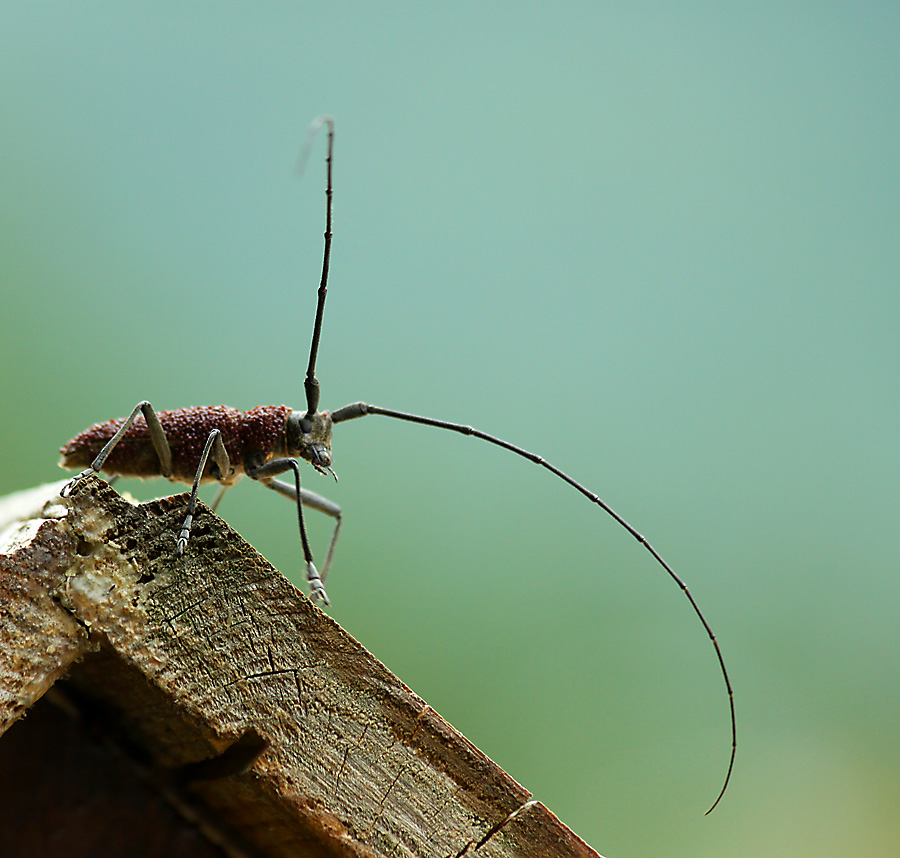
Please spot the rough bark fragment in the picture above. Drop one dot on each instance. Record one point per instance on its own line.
(187, 657)
(38, 638)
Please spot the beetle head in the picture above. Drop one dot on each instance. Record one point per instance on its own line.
(309, 437)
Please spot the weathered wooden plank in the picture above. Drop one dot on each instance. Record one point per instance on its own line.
(186, 657)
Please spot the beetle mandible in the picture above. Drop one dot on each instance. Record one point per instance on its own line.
(196, 445)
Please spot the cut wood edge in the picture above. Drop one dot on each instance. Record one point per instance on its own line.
(248, 706)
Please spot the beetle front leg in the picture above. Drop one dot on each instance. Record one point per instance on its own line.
(316, 502)
(157, 437)
(265, 473)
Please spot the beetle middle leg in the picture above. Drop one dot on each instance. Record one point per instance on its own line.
(265, 474)
(216, 448)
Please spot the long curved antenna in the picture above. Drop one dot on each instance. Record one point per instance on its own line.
(361, 409)
(311, 383)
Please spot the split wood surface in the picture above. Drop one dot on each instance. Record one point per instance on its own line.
(247, 707)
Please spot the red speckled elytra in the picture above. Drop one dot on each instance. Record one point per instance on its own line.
(194, 445)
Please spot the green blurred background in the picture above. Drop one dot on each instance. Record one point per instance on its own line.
(655, 242)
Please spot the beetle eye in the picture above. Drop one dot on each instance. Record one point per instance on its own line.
(305, 425)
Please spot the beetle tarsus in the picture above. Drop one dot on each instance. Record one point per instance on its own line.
(185, 534)
(316, 587)
(69, 487)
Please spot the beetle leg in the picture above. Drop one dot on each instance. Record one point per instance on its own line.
(318, 503)
(157, 437)
(215, 447)
(265, 473)
(218, 498)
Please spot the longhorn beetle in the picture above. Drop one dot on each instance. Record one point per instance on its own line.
(195, 445)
